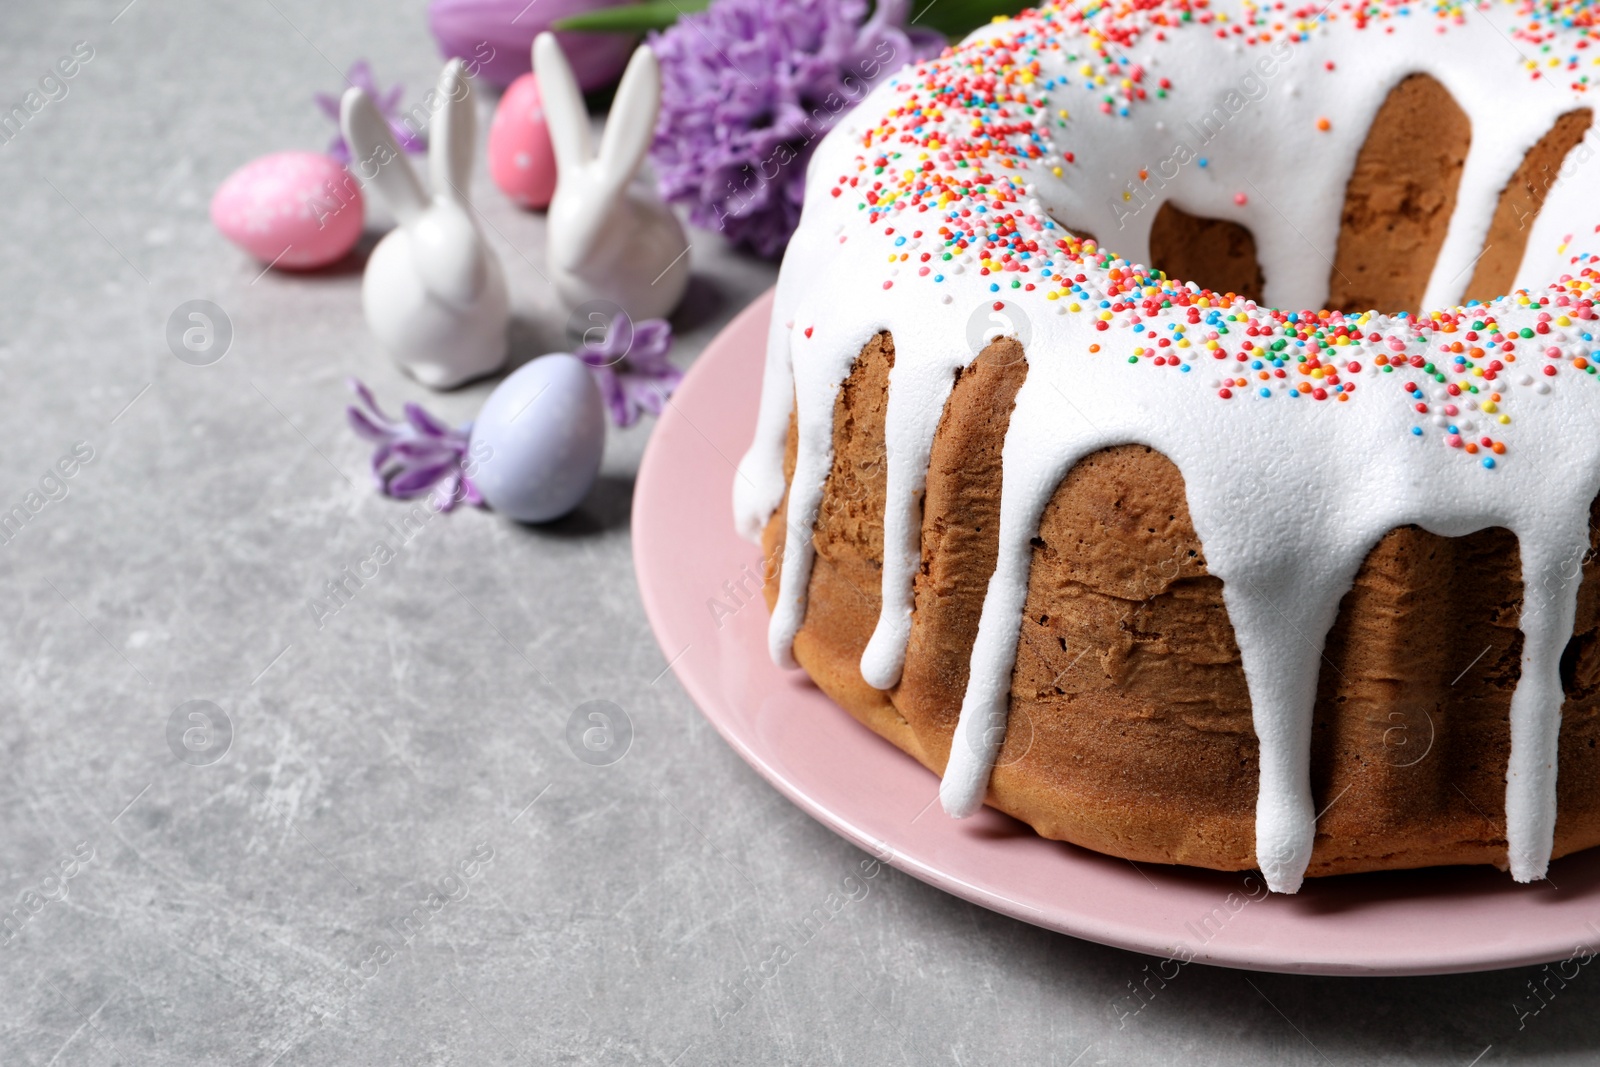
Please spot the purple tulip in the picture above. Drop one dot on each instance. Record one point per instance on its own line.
(495, 37)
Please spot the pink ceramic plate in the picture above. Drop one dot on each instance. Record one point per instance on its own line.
(700, 588)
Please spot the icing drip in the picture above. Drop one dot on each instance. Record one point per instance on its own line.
(1302, 437)
(1549, 603)
(915, 405)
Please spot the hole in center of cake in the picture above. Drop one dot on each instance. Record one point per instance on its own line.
(1213, 253)
(1397, 209)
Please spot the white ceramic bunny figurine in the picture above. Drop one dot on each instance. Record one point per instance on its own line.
(434, 292)
(609, 238)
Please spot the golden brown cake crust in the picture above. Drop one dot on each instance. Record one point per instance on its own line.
(1400, 198)
(1130, 729)
(1519, 205)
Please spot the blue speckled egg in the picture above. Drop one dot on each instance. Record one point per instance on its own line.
(545, 430)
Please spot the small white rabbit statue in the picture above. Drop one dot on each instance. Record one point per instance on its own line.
(434, 292)
(609, 238)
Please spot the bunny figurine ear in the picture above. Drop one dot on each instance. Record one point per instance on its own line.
(607, 235)
(564, 110)
(632, 122)
(376, 159)
(454, 131)
(450, 254)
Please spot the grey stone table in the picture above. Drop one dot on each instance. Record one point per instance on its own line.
(397, 859)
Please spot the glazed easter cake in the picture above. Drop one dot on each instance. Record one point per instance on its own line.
(1169, 571)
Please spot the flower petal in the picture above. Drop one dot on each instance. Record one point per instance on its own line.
(414, 480)
(365, 427)
(425, 422)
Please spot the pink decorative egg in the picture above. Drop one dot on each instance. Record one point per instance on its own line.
(521, 159)
(296, 210)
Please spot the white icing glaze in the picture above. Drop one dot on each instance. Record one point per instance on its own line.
(1287, 495)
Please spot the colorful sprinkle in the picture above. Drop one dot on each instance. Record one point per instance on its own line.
(946, 174)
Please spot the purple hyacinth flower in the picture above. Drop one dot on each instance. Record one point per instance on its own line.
(414, 454)
(630, 366)
(748, 88)
(387, 102)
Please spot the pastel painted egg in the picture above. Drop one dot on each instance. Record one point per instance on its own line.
(539, 439)
(521, 159)
(295, 210)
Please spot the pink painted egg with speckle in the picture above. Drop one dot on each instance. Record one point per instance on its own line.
(522, 161)
(295, 210)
